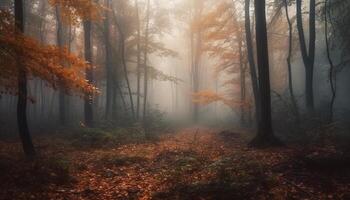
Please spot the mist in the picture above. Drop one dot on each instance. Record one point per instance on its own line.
(178, 99)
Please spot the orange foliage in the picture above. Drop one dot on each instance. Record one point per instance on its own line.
(207, 97)
(73, 11)
(46, 62)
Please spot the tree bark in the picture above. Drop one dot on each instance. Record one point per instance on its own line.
(138, 49)
(22, 122)
(251, 60)
(126, 76)
(109, 73)
(265, 136)
(332, 74)
(88, 107)
(308, 54)
(60, 43)
(289, 65)
(145, 84)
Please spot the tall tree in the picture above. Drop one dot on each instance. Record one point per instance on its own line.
(289, 62)
(27, 143)
(308, 54)
(123, 61)
(196, 52)
(60, 43)
(265, 136)
(251, 60)
(145, 57)
(109, 71)
(332, 75)
(88, 107)
(138, 49)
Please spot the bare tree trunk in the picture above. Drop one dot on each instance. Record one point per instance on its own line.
(332, 75)
(122, 52)
(27, 143)
(109, 74)
(251, 60)
(88, 107)
(138, 61)
(242, 81)
(265, 136)
(197, 51)
(308, 54)
(289, 64)
(145, 84)
(60, 43)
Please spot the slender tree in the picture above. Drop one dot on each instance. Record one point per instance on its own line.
(60, 43)
(109, 71)
(88, 107)
(308, 54)
(145, 57)
(251, 60)
(126, 76)
(289, 62)
(138, 49)
(330, 60)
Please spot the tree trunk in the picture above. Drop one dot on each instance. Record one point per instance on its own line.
(109, 74)
(88, 107)
(289, 65)
(60, 43)
(145, 84)
(251, 60)
(22, 89)
(126, 76)
(242, 81)
(308, 54)
(265, 136)
(332, 74)
(138, 61)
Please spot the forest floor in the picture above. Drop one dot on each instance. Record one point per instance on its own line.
(193, 163)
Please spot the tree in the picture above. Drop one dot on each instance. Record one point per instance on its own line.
(87, 11)
(109, 68)
(251, 60)
(122, 55)
(308, 54)
(88, 108)
(145, 57)
(22, 88)
(60, 43)
(265, 136)
(41, 61)
(138, 49)
(289, 62)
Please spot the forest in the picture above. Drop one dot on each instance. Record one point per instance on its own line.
(174, 99)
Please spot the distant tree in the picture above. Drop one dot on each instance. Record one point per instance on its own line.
(87, 11)
(145, 59)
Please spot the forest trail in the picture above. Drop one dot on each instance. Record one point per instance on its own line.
(193, 163)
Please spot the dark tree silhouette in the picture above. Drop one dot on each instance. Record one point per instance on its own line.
(88, 109)
(308, 54)
(22, 89)
(265, 136)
